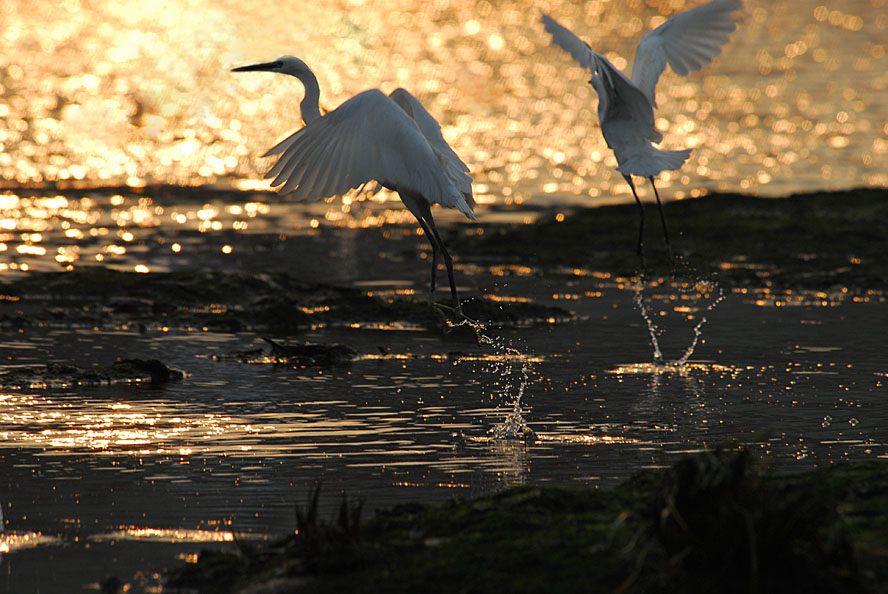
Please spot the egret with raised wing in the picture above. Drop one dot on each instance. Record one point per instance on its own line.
(390, 139)
(687, 42)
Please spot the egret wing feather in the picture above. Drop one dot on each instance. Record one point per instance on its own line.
(687, 41)
(453, 166)
(369, 137)
(328, 184)
(427, 124)
(564, 38)
(282, 145)
(303, 176)
(289, 162)
(281, 163)
(623, 99)
(333, 158)
(295, 162)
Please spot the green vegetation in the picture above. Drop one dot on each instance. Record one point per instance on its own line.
(714, 522)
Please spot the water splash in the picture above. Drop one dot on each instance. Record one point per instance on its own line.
(504, 364)
(702, 288)
(513, 426)
(652, 328)
(698, 328)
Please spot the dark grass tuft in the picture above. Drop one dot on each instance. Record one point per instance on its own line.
(714, 522)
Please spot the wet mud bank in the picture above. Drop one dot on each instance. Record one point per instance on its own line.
(60, 375)
(812, 241)
(275, 304)
(230, 302)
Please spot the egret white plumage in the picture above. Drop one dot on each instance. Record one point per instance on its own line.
(687, 42)
(390, 139)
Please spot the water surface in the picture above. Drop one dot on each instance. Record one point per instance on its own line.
(111, 92)
(146, 475)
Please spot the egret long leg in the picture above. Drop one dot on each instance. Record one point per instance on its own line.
(433, 241)
(421, 209)
(448, 261)
(663, 220)
(640, 224)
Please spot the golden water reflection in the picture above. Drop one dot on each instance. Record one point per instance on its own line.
(17, 541)
(178, 535)
(173, 429)
(685, 369)
(14, 541)
(836, 296)
(149, 231)
(37, 420)
(120, 92)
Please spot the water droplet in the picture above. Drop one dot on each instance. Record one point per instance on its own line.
(656, 332)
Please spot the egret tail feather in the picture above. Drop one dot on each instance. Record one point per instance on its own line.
(650, 162)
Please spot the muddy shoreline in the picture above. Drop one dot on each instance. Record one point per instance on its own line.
(816, 241)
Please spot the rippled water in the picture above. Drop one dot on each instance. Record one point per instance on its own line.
(113, 92)
(125, 479)
(147, 475)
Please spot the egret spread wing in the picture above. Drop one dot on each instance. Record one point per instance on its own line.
(282, 145)
(619, 99)
(366, 138)
(564, 38)
(453, 166)
(687, 41)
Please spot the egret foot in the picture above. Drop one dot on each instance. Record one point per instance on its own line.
(461, 319)
(457, 312)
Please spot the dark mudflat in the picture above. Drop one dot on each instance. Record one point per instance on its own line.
(814, 241)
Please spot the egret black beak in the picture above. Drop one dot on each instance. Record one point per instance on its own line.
(257, 67)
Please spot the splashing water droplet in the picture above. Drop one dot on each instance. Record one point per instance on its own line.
(704, 289)
(652, 328)
(698, 329)
(513, 426)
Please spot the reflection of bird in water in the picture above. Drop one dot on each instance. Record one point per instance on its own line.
(391, 139)
(687, 42)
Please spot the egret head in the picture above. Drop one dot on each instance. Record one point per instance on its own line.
(284, 65)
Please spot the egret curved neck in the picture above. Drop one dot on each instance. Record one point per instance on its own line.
(309, 106)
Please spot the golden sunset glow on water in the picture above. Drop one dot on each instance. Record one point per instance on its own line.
(117, 92)
(117, 427)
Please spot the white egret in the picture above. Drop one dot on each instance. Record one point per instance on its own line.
(687, 42)
(390, 139)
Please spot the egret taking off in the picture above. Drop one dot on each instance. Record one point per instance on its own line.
(390, 139)
(687, 42)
